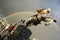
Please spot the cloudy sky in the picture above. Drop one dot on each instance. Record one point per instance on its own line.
(11, 6)
(39, 32)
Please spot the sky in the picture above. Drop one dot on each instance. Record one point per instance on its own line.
(39, 32)
(8, 7)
